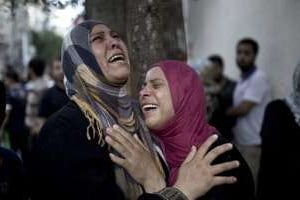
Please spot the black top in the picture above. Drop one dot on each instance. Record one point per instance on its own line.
(279, 172)
(16, 98)
(66, 165)
(11, 176)
(53, 100)
(242, 190)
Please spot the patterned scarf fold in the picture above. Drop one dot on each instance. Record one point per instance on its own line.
(102, 103)
(293, 101)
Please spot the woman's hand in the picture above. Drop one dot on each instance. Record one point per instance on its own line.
(137, 159)
(197, 176)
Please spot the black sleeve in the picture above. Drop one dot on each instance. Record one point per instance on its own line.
(66, 166)
(168, 193)
(243, 188)
(45, 106)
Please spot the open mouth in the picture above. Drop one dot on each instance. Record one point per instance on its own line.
(149, 107)
(117, 58)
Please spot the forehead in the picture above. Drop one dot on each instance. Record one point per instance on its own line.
(155, 73)
(245, 47)
(100, 28)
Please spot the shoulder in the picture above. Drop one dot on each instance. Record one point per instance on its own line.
(260, 75)
(67, 120)
(9, 155)
(277, 106)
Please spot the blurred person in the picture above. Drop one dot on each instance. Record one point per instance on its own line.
(55, 97)
(206, 74)
(71, 158)
(15, 123)
(224, 97)
(251, 96)
(173, 103)
(35, 87)
(279, 150)
(11, 171)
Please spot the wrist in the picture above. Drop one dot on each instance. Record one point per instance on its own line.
(185, 191)
(154, 184)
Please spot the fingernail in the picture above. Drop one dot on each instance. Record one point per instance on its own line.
(229, 145)
(237, 163)
(109, 130)
(215, 136)
(115, 126)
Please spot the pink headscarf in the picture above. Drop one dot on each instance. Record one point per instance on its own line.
(189, 125)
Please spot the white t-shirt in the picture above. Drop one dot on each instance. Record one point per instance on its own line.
(256, 89)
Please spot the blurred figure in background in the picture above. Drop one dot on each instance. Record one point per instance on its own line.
(15, 119)
(251, 96)
(206, 74)
(35, 90)
(280, 140)
(55, 97)
(11, 171)
(224, 97)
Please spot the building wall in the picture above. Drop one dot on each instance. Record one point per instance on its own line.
(215, 26)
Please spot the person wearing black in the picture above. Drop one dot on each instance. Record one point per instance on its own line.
(70, 158)
(224, 97)
(55, 97)
(15, 123)
(280, 164)
(11, 170)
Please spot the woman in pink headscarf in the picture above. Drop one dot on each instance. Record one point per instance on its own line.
(173, 103)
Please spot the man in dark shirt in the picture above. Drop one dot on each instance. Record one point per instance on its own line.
(55, 97)
(223, 96)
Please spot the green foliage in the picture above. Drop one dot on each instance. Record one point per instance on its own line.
(47, 44)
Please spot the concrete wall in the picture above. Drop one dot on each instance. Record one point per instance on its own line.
(215, 26)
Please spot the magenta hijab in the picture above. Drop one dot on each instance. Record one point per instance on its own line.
(189, 125)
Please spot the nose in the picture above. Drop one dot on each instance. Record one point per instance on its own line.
(144, 92)
(113, 42)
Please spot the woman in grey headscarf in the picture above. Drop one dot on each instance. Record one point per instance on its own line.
(71, 159)
(280, 163)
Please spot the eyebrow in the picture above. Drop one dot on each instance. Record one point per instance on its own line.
(156, 80)
(102, 32)
(97, 33)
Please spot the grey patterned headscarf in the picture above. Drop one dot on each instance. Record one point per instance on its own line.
(293, 101)
(102, 103)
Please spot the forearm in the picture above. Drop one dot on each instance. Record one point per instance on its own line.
(240, 110)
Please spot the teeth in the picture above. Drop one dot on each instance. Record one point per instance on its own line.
(149, 106)
(114, 57)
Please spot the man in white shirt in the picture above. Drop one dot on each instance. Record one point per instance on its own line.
(251, 96)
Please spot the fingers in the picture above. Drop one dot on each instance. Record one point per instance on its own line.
(119, 161)
(191, 155)
(205, 146)
(120, 148)
(217, 151)
(219, 168)
(119, 138)
(220, 180)
(124, 133)
(136, 137)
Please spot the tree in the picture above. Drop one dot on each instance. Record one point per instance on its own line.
(47, 44)
(153, 29)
